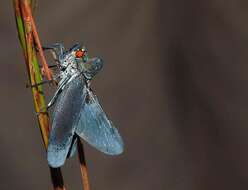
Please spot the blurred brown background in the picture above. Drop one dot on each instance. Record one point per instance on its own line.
(175, 82)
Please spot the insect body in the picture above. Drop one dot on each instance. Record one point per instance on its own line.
(77, 112)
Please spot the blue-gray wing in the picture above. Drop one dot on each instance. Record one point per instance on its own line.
(66, 113)
(95, 128)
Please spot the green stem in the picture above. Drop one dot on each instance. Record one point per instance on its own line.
(25, 34)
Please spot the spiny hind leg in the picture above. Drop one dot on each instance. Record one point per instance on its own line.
(36, 85)
(43, 110)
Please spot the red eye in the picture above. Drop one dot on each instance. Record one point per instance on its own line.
(79, 53)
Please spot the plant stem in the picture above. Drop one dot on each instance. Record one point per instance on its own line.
(28, 12)
(28, 34)
(83, 167)
(25, 33)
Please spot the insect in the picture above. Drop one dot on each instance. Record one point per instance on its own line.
(77, 112)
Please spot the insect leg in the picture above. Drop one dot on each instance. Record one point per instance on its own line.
(38, 84)
(58, 49)
(75, 47)
(50, 66)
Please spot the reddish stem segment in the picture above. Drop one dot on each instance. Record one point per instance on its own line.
(24, 12)
(28, 11)
(83, 167)
(25, 31)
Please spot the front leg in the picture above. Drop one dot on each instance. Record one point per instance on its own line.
(57, 50)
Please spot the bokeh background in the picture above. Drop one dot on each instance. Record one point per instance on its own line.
(175, 82)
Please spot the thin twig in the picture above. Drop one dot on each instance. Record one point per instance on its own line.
(34, 73)
(28, 11)
(25, 33)
(83, 167)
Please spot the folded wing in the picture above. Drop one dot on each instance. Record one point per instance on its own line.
(95, 128)
(66, 114)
